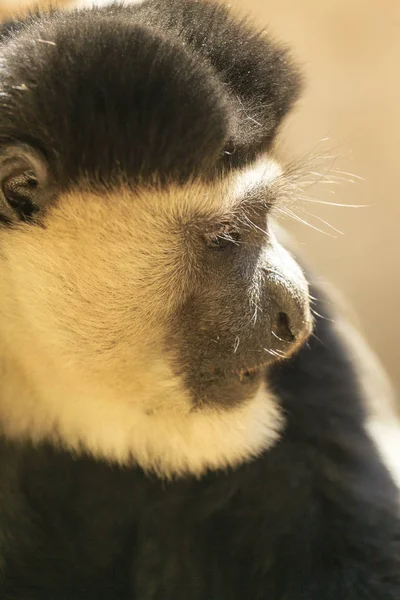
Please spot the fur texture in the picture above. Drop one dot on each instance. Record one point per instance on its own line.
(168, 427)
(315, 517)
(211, 95)
(95, 327)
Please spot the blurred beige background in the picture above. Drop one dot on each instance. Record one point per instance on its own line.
(350, 52)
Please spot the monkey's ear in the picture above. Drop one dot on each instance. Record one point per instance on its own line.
(24, 183)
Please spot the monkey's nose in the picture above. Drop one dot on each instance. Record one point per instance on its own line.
(290, 324)
(282, 328)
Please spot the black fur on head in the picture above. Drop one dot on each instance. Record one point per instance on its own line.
(172, 89)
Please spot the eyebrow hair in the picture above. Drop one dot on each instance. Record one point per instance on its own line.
(262, 196)
(259, 186)
(242, 213)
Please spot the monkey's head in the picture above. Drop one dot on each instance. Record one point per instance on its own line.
(143, 292)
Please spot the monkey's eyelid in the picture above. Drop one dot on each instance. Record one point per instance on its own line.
(222, 235)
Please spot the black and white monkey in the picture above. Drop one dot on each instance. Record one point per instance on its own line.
(170, 430)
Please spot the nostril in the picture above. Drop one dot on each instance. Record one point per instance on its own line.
(281, 328)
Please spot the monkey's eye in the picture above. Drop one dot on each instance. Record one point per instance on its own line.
(222, 236)
(19, 191)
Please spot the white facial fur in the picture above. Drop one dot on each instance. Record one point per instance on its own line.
(85, 303)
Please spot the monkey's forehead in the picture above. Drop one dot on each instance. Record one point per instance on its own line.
(170, 89)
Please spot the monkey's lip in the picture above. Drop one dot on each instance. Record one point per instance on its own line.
(250, 370)
(249, 373)
(246, 373)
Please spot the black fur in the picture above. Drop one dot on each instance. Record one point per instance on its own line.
(176, 87)
(314, 518)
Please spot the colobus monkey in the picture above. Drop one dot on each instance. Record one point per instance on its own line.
(175, 425)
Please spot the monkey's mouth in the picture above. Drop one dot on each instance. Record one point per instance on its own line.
(250, 373)
(278, 353)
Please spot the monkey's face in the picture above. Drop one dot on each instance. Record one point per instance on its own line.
(169, 301)
(138, 311)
